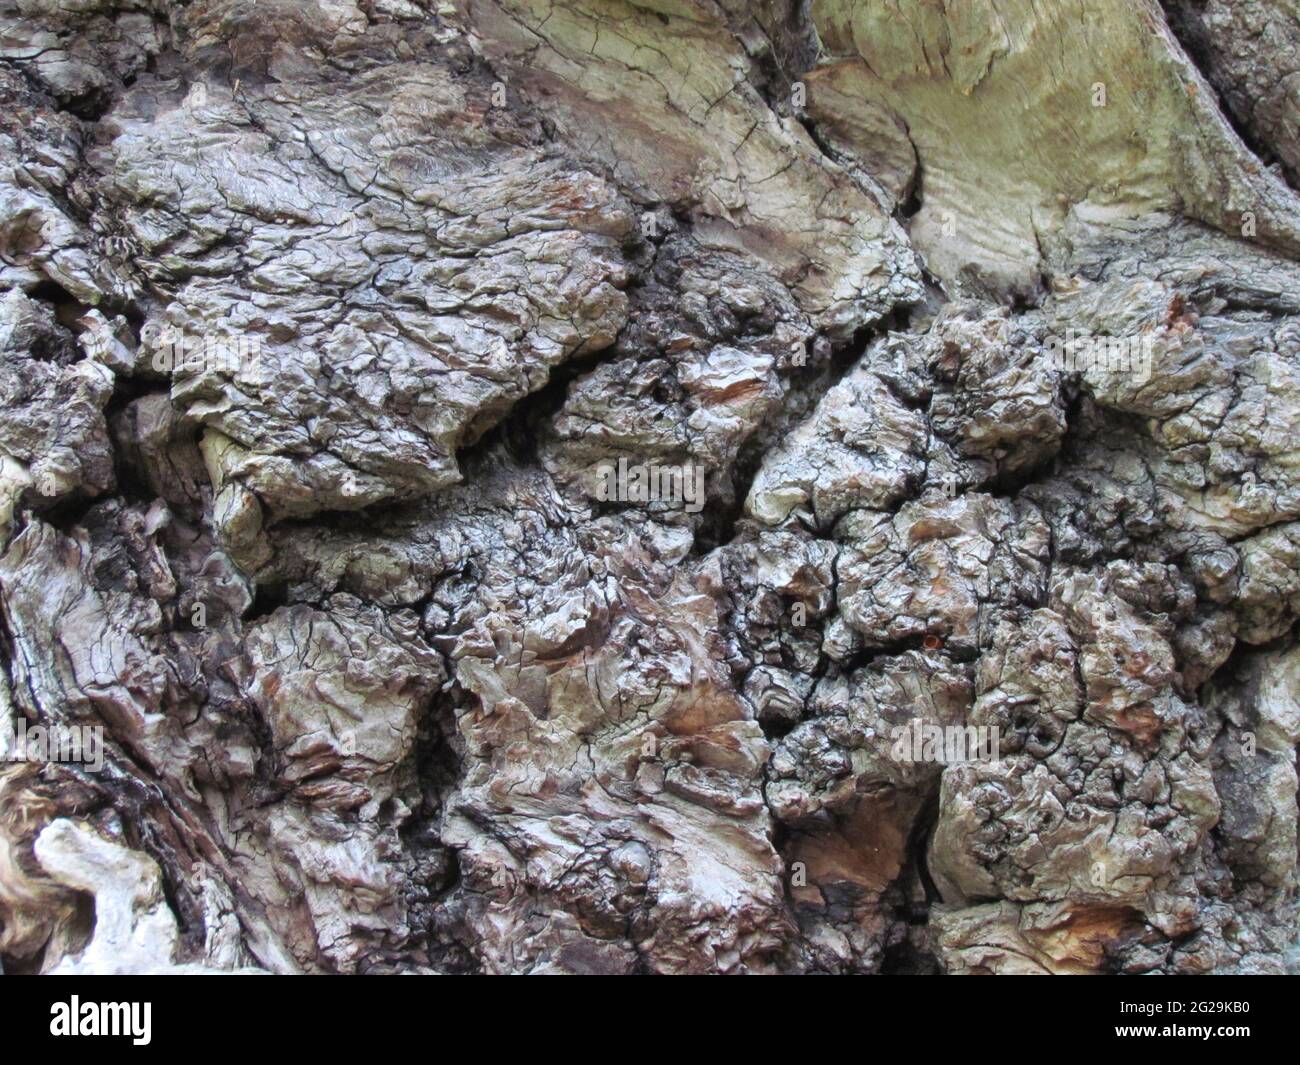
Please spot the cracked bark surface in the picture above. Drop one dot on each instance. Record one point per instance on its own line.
(388, 684)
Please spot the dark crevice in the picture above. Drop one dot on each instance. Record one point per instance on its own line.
(70, 513)
(1198, 41)
(519, 431)
(905, 958)
(775, 729)
(910, 204)
(927, 642)
(828, 363)
(1233, 674)
(918, 851)
(67, 308)
(269, 597)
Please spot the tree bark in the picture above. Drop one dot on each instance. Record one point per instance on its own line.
(649, 486)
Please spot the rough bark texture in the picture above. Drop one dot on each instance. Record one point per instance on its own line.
(388, 683)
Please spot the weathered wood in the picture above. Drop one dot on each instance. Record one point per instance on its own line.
(332, 331)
